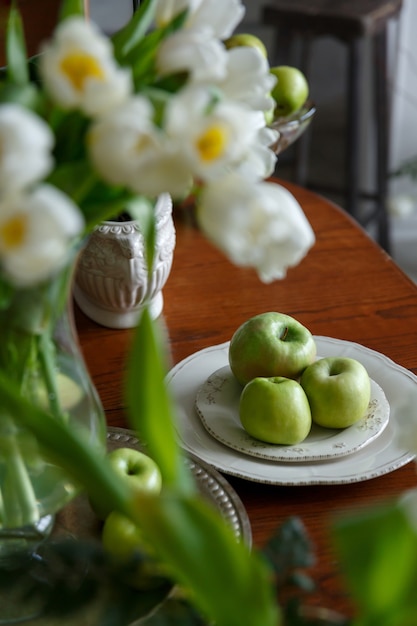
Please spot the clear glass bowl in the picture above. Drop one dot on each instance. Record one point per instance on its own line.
(290, 128)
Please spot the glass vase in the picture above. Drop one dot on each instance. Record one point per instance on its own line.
(40, 353)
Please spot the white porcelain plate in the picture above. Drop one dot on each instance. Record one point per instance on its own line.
(217, 405)
(381, 456)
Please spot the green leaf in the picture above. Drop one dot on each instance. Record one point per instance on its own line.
(141, 58)
(131, 34)
(70, 8)
(289, 548)
(378, 554)
(150, 409)
(229, 584)
(6, 294)
(16, 55)
(25, 94)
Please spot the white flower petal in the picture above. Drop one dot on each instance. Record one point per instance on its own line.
(220, 16)
(118, 139)
(79, 71)
(212, 136)
(36, 232)
(127, 149)
(248, 78)
(258, 225)
(195, 52)
(26, 142)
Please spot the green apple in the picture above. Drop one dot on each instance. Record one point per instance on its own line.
(291, 90)
(338, 390)
(270, 344)
(137, 469)
(246, 39)
(275, 410)
(124, 543)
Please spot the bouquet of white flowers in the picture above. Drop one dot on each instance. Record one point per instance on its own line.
(88, 127)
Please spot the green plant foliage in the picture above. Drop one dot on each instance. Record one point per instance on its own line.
(149, 405)
(16, 57)
(229, 584)
(378, 554)
(71, 7)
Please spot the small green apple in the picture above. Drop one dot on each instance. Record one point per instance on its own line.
(291, 90)
(270, 344)
(123, 541)
(246, 39)
(338, 390)
(137, 469)
(275, 410)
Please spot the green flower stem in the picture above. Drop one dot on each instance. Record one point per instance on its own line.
(1, 510)
(81, 192)
(19, 499)
(46, 360)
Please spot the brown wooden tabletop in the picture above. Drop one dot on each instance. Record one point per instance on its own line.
(346, 288)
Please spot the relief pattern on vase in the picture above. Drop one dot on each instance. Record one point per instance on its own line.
(111, 283)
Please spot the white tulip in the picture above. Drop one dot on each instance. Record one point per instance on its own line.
(248, 78)
(212, 134)
(198, 53)
(79, 71)
(220, 16)
(36, 230)
(127, 149)
(260, 160)
(26, 142)
(255, 224)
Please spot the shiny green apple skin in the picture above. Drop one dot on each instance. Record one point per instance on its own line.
(338, 390)
(137, 469)
(291, 90)
(246, 39)
(122, 540)
(275, 410)
(270, 344)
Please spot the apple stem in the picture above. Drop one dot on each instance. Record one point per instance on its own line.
(284, 334)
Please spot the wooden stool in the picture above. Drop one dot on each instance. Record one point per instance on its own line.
(350, 21)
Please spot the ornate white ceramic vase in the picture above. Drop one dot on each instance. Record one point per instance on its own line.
(111, 281)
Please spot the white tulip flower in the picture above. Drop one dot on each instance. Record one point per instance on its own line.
(36, 230)
(255, 224)
(213, 134)
(259, 161)
(220, 16)
(127, 149)
(248, 78)
(198, 53)
(79, 71)
(26, 142)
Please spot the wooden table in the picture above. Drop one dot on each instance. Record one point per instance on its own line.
(346, 287)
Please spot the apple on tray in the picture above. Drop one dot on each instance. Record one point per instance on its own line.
(338, 390)
(239, 40)
(270, 344)
(137, 469)
(291, 90)
(275, 410)
(124, 543)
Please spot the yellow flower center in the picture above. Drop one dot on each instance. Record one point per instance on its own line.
(13, 231)
(143, 142)
(78, 67)
(211, 143)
